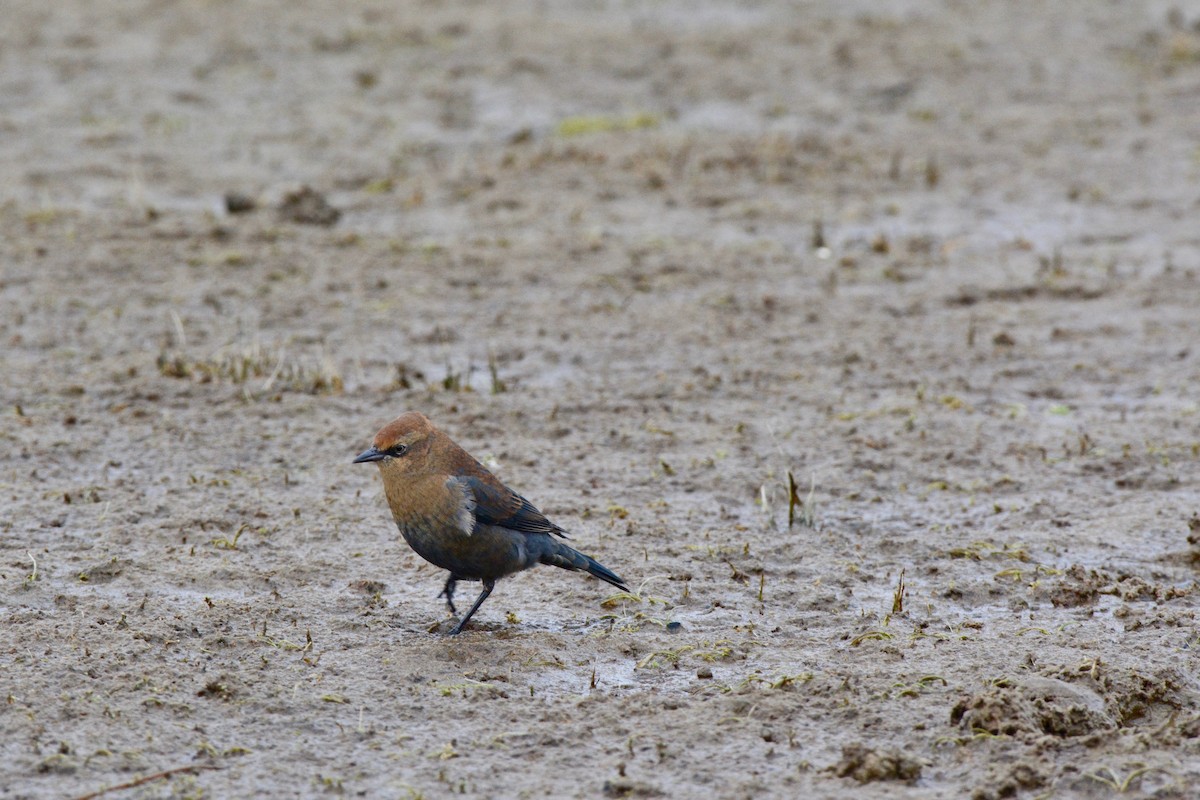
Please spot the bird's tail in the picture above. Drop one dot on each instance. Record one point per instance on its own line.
(559, 555)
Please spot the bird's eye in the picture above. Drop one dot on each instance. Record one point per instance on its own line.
(398, 450)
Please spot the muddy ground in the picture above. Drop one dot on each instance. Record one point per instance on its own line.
(937, 261)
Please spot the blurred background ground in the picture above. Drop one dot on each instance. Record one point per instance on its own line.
(936, 260)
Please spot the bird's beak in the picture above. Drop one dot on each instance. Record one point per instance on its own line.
(370, 454)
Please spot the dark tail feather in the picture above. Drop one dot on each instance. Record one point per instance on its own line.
(559, 555)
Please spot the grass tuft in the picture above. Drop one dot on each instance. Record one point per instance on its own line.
(246, 365)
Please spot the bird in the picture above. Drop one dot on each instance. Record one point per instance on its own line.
(457, 515)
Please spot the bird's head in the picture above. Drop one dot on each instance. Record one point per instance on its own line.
(401, 445)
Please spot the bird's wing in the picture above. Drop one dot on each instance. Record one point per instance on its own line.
(496, 504)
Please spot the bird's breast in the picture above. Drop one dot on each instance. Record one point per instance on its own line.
(436, 517)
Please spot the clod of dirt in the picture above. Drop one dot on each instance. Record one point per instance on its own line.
(865, 764)
(239, 203)
(1189, 729)
(1078, 587)
(58, 763)
(102, 572)
(1033, 706)
(1134, 697)
(1193, 538)
(1153, 477)
(220, 688)
(1009, 781)
(629, 789)
(305, 206)
(368, 587)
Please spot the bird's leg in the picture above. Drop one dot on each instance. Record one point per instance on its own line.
(448, 592)
(488, 585)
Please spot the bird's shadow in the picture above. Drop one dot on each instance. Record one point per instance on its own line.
(500, 629)
(444, 626)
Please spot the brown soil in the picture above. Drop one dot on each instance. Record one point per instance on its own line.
(936, 262)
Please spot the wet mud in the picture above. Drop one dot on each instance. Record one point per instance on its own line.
(861, 341)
